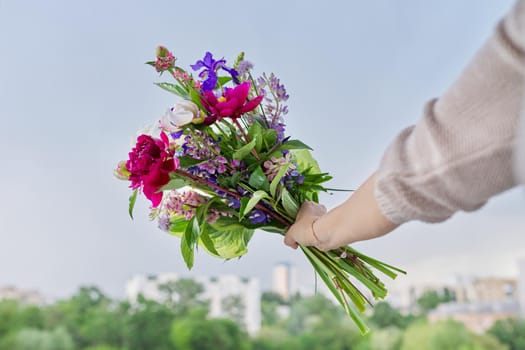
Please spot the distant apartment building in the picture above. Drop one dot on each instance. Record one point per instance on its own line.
(32, 297)
(478, 317)
(521, 286)
(219, 291)
(480, 302)
(284, 280)
(487, 290)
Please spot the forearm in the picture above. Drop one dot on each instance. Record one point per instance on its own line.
(358, 218)
(460, 152)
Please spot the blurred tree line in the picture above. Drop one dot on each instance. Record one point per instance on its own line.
(90, 320)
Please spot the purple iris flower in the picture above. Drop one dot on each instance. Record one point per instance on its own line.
(211, 67)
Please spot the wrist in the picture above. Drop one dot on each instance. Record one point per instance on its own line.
(320, 240)
(314, 233)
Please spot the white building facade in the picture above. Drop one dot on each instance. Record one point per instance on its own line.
(30, 297)
(284, 280)
(217, 291)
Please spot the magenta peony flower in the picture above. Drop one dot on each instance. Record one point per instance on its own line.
(231, 104)
(150, 163)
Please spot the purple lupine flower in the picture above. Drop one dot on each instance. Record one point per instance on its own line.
(176, 135)
(164, 223)
(280, 128)
(211, 66)
(234, 203)
(274, 108)
(244, 67)
(257, 217)
(297, 177)
(241, 191)
(278, 88)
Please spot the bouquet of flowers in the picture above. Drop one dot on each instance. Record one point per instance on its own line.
(219, 165)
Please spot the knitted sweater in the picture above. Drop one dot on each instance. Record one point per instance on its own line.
(462, 150)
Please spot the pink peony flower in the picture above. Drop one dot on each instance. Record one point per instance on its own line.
(149, 165)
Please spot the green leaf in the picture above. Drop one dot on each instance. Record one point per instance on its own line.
(174, 89)
(174, 184)
(244, 203)
(255, 133)
(242, 152)
(230, 243)
(305, 161)
(178, 226)
(226, 223)
(258, 180)
(224, 80)
(295, 144)
(235, 178)
(270, 138)
(289, 204)
(277, 179)
(187, 161)
(206, 241)
(187, 243)
(196, 98)
(132, 200)
(256, 198)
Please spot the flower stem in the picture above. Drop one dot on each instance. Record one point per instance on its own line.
(236, 195)
(260, 106)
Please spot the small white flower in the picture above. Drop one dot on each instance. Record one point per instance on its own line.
(183, 113)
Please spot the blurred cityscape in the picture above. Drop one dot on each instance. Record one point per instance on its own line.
(488, 309)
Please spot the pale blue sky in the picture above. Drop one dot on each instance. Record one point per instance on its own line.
(74, 90)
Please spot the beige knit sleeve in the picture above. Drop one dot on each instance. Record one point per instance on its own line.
(460, 153)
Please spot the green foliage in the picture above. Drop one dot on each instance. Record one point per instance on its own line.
(431, 299)
(203, 334)
(272, 297)
(385, 316)
(148, 326)
(258, 180)
(257, 196)
(14, 316)
(269, 313)
(387, 338)
(76, 313)
(269, 303)
(132, 200)
(105, 325)
(89, 320)
(102, 347)
(183, 296)
(245, 150)
(174, 89)
(234, 309)
(308, 312)
(276, 338)
(446, 335)
(36, 339)
(510, 332)
(230, 243)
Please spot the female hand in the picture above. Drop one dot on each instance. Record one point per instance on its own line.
(302, 231)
